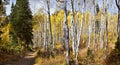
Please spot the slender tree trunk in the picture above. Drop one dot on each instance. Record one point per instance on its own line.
(49, 19)
(106, 23)
(101, 33)
(118, 25)
(54, 35)
(66, 33)
(78, 34)
(117, 46)
(95, 14)
(40, 35)
(79, 31)
(72, 27)
(45, 35)
(118, 31)
(96, 27)
(89, 33)
(106, 45)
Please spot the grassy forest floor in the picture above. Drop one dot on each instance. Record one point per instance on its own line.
(41, 57)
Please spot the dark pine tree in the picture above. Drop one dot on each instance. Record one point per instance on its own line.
(21, 21)
(12, 21)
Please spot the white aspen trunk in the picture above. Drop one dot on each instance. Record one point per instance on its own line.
(50, 26)
(40, 35)
(96, 26)
(73, 35)
(106, 45)
(94, 23)
(54, 35)
(45, 33)
(79, 31)
(101, 33)
(89, 33)
(72, 26)
(66, 33)
(88, 46)
(94, 34)
(105, 11)
(37, 37)
(62, 34)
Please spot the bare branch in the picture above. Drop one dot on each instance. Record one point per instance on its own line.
(117, 4)
(61, 1)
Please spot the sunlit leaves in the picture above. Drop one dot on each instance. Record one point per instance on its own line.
(5, 35)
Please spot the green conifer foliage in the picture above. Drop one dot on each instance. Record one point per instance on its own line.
(21, 21)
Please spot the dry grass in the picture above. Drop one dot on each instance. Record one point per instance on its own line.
(97, 56)
(58, 60)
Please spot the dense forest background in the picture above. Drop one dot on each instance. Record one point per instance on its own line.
(77, 32)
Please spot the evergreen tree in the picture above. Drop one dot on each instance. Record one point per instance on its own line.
(12, 21)
(21, 21)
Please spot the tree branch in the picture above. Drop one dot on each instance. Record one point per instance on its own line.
(61, 1)
(117, 4)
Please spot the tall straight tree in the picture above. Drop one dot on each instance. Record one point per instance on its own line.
(94, 3)
(78, 30)
(49, 19)
(105, 4)
(66, 32)
(72, 26)
(118, 25)
(96, 24)
(21, 21)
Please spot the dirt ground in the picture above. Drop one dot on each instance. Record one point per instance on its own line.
(27, 59)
